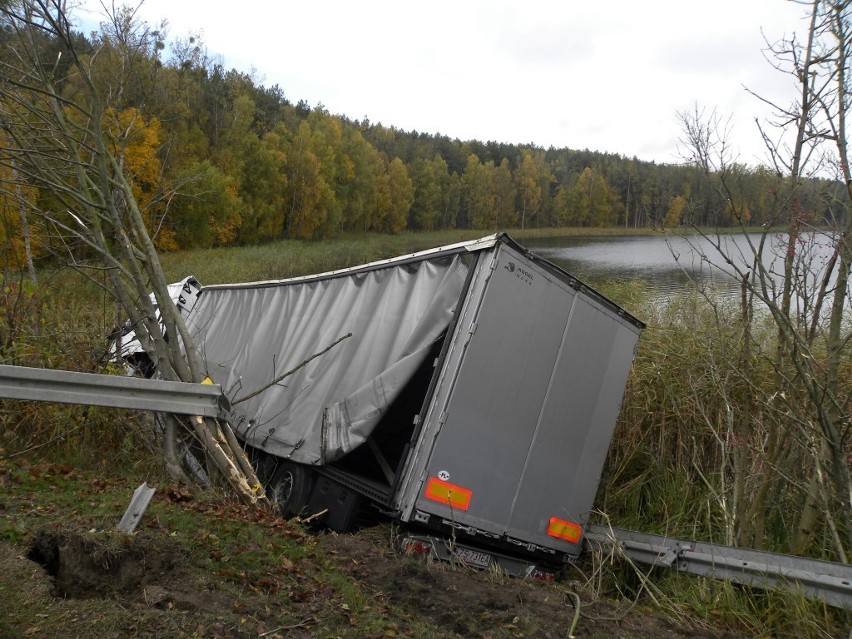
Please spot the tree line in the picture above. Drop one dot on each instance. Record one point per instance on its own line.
(216, 158)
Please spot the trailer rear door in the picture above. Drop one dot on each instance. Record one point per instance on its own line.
(566, 456)
(525, 426)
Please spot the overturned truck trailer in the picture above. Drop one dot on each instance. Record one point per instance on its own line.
(475, 396)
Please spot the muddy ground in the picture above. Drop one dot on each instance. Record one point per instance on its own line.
(202, 565)
(66, 564)
(471, 603)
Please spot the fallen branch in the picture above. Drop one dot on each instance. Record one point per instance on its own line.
(291, 371)
(314, 517)
(292, 626)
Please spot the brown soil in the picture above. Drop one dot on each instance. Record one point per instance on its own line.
(146, 571)
(85, 566)
(474, 604)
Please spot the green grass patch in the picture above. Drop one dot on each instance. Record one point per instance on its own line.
(291, 258)
(209, 566)
(203, 565)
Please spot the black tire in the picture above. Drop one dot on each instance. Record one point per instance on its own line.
(264, 465)
(290, 488)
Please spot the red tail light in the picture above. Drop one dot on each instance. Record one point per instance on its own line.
(412, 546)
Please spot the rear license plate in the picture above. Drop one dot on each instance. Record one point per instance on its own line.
(472, 557)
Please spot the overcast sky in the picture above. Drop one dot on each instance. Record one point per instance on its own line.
(606, 76)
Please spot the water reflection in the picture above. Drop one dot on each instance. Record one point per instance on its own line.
(670, 264)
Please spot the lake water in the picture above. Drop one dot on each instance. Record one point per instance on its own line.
(670, 264)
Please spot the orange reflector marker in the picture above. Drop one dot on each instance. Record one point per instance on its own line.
(566, 530)
(447, 493)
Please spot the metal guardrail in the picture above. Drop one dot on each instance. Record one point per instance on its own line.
(114, 391)
(823, 580)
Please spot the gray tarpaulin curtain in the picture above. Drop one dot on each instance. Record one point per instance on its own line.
(250, 335)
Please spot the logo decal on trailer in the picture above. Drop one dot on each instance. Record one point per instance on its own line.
(443, 475)
(521, 273)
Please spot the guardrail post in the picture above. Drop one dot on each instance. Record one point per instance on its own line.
(138, 505)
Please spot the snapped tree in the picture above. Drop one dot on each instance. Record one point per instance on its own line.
(68, 129)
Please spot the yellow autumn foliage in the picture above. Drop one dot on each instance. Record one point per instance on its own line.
(136, 141)
(14, 196)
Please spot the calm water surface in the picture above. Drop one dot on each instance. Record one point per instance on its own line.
(669, 264)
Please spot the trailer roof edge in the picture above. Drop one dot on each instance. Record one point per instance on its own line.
(571, 280)
(469, 246)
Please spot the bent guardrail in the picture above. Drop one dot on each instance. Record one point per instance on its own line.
(826, 581)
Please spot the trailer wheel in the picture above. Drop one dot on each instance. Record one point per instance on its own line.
(291, 486)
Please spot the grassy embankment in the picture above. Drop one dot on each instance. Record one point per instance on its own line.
(653, 481)
(293, 258)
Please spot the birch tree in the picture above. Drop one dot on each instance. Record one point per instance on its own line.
(60, 100)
